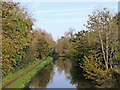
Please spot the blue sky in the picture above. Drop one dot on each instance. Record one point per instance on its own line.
(57, 17)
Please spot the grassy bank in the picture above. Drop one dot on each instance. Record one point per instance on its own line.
(22, 81)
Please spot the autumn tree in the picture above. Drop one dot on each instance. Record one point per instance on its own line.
(64, 46)
(105, 24)
(101, 60)
(16, 37)
(42, 44)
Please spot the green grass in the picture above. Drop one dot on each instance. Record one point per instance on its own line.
(22, 81)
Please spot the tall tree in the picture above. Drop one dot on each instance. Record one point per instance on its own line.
(16, 37)
(103, 23)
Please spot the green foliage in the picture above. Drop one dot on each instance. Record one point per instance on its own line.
(97, 48)
(22, 81)
(42, 44)
(80, 44)
(20, 44)
(64, 47)
(93, 67)
(16, 27)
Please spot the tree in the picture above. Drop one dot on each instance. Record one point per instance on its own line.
(16, 37)
(64, 45)
(42, 44)
(104, 23)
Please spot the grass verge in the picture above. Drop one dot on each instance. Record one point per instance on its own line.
(22, 81)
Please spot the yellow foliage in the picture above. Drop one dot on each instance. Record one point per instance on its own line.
(93, 67)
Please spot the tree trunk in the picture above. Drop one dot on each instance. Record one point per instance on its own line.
(106, 63)
(107, 46)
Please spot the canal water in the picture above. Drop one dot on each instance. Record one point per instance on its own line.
(62, 73)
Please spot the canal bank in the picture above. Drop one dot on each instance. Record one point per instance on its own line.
(23, 76)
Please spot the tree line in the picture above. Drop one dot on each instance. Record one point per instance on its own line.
(21, 44)
(96, 49)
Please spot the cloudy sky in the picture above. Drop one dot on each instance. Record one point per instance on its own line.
(56, 17)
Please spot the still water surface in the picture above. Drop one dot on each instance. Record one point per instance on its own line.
(62, 73)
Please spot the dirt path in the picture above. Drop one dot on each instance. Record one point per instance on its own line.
(19, 76)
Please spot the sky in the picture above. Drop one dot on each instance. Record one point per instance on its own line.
(57, 17)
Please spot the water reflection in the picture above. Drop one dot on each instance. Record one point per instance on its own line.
(59, 80)
(63, 64)
(64, 73)
(77, 77)
(42, 78)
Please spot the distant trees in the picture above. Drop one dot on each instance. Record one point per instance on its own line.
(64, 46)
(42, 44)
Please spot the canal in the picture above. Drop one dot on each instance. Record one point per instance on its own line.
(62, 73)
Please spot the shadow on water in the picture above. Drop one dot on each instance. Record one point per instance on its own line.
(42, 78)
(76, 76)
(61, 73)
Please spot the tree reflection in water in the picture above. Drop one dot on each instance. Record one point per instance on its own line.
(77, 78)
(72, 73)
(42, 78)
(63, 64)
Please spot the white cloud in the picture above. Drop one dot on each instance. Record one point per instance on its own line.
(65, 0)
(71, 13)
(82, 19)
(63, 10)
(66, 10)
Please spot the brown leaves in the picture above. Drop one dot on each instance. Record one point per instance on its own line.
(15, 37)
